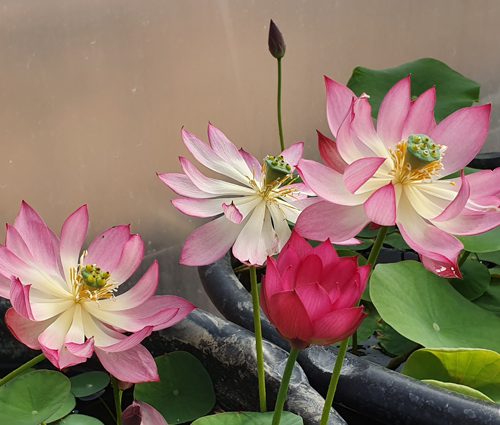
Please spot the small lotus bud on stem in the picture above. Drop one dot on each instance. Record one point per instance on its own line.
(276, 41)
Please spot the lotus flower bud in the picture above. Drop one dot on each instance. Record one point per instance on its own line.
(276, 41)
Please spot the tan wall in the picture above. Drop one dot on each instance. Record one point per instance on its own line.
(93, 93)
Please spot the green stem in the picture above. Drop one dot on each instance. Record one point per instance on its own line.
(258, 339)
(377, 245)
(280, 121)
(283, 391)
(464, 257)
(107, 408)
(22, 368)
(334, 380)
(117, 394)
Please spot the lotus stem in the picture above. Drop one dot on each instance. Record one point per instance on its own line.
(22, 368)
(285, 381)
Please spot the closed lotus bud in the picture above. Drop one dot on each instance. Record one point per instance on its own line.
(311, 294)
(276, 41)
(140, 413)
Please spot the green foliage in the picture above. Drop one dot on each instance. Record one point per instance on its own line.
(427, 310)
(475, 282)
(486, 242)
(185, 391)
(395, 240)
(88, 383)
(454, 91)
(64, 409)
(461, 389)
(392, 342)
(490, 300)
(458, 370)
(248, 418)
(79, 420)
(34, 397)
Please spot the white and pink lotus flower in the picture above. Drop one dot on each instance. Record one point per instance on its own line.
(393, 174)
(65, 302)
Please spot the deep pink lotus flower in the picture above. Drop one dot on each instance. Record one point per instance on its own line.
(64, 301)
(252, 213)
(393, 175)
(311, 294)
(140, 413)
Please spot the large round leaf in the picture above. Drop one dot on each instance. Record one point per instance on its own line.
(475, 282)
(486, 242)
(33, 397)
(461, 389)
(477, 369)
(65, 409)
(490, 300)
(426, 309)
(185, 391)
(88, 383)
(80, 420)
(454, 91)
(248, 418)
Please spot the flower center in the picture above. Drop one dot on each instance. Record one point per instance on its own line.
(90, 283)
(278, 177)
(416, 159)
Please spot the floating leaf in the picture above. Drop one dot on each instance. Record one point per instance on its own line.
(185, 391)
(475, 282)
(369, 324)
(461, 389)
(492, 257)
(490, 300)
(395, 240)
(392, 342)
(454, 91)
(248, 418)
(426, 309)
(33, 397)
(477, 369)
(88, 383)
(486, 242)
(65, 409)
(79, 420)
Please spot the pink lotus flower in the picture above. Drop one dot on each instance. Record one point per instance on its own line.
(253, 213)
(64, 303)
(311, 294)
(393, 174)
(140, 413)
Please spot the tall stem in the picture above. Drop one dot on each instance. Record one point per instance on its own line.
(285, 381)
(117, 394)
(258, 339)
(22, 368)
(334, 380)
(464, 257)
(280, 121)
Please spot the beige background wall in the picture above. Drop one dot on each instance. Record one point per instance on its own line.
(93, 93)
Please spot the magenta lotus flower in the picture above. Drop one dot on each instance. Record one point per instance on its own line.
(64, 302)
(140, 413)
(311, 294)
(252, 214)
(393, 175)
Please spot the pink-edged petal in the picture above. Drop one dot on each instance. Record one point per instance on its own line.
(62, 358)
(393, 112)
(327, 183)
(295, 250)
(381, 206)
(106, 249)
(337, 325)
(209, 242)
(129, 342)
(420, 119)
(41, 241)
(54, 336)
(232, 213)
(4, 287)
(134, 365)
(131, 258)
(362, 125)
(485, 187)
(470, 223)
(325, 220)
(140, 413)
(73, 234)
(290, 316)
(458, 204)
(338, 101)
(85, 349)
(327, 253)
(20, 298)
(182, 185)
(315, 300)
(360, 171)
(144, 289)
(330, 154)
(463, 133)
(25, 330)
(17, 245)
(441, 266)
(202, 208)
(253, 163)
(293, 154)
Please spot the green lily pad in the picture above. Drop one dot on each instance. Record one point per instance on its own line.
(79, 420)
(370, 324)
(185, 391)
(475, 282)
(454, 91)
(461, 389)
(32, 398)
(490, 300)
(492, 257)
(65, 409)
(88, 383)
(427, 310)
(248, 418)
(392, 342)
(395, 240)
(486, 242)
(474, 368)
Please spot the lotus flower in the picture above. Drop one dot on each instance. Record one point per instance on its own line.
(140, 413)
(394, 174)
(311, 294)
(252, 214)
(64, 302)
